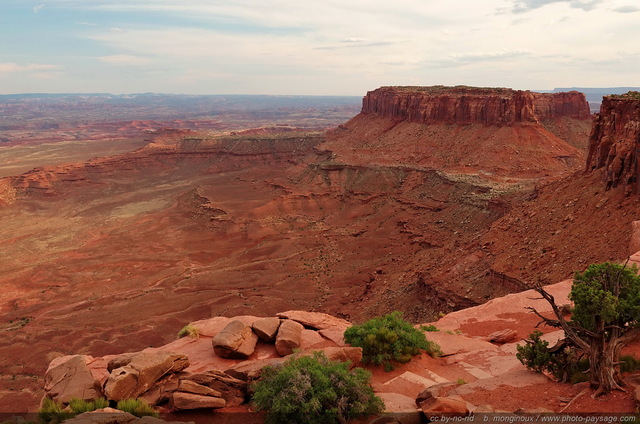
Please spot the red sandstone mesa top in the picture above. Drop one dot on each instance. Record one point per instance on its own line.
(469, 105)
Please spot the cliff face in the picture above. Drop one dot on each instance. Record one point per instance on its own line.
(471, 105)
(615, 140)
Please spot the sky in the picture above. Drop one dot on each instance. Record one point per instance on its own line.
(319, 47)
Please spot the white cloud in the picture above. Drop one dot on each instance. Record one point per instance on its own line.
(287, 46)
(124, 59)
(626, 9)
(527, 5)
(9, 67)
(37, 8)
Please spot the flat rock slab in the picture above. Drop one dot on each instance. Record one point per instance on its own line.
(515, 378)
(396, 402)
(497, 309)
(189, 386)
(184, 401)
(211, 326)
(316, 320)
(454, 344)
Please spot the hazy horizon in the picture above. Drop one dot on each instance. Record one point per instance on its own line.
(327, 48)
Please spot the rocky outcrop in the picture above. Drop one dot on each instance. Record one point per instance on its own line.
(471, 105)
(615, 139)
(133, 375)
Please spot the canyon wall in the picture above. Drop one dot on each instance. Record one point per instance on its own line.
(472, 105)
(615, 140)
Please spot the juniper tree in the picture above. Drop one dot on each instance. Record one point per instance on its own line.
(605, 319)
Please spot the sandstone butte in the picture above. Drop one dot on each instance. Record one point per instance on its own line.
(494, 132)
(456, 243)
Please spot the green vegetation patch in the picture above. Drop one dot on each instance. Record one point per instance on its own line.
(388, 339)
(137, 407)
(314, 390)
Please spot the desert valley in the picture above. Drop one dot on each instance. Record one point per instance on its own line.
(126, 218)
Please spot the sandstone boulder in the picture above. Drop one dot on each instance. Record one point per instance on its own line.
(69, 377)
(503, 336)
(266, 328)
(433, 392)
(141, 373)
(311, 338)
(450, 406)
(183, 401)
(289, 337)
(237, 341)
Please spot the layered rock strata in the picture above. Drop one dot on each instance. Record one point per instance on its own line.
(472, 105)
(615, 140)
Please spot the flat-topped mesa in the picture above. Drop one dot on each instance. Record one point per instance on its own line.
(615, 140)
(470, 105)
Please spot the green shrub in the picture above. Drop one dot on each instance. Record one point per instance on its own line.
(629, 364)
(189, 330)
(55, 412)
(52, 412)
(137, 407)
(563, 365)
(314, 390)
(78, 406)
(389, 338)
(429, 328)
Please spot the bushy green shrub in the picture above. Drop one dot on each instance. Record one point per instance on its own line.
(53, 412)
(78, 406)
(189, 330)
(564, 365)
(314, 390)
(389, 338)
(429, 328)
(137, 407)
(629, 364)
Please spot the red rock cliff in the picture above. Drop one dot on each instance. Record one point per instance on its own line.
(471, 105)
(615, 140)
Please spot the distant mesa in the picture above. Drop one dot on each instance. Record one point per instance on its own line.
(471, 105)
(496, 132)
